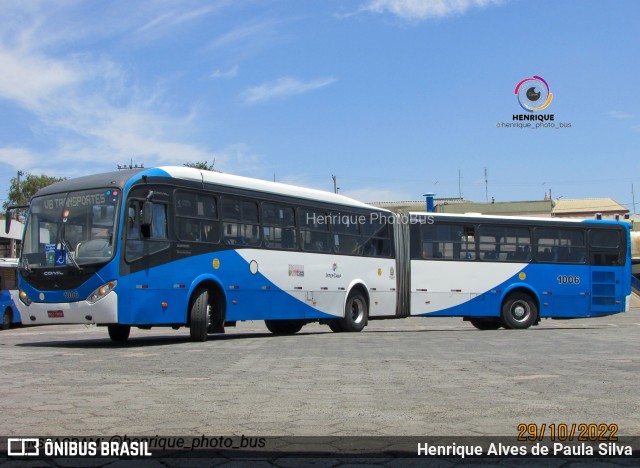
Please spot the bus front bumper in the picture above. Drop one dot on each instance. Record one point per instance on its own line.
(104, 311)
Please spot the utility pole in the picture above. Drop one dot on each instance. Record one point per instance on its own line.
(20, 173)
(486, 185)
(459, 184)
(335, 184)
(633, 197)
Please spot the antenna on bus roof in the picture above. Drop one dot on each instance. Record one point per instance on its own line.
(130, 166)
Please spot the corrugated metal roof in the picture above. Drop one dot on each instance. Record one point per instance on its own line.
(415, 205)
(539, 207)
(587, 205)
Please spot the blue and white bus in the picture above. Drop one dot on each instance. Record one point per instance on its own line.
(514, 271)
(181, 247)
(176, 246)
(8, 293)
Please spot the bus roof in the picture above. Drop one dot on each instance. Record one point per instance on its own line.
(259, 185)
(120, 179)
(478, 216)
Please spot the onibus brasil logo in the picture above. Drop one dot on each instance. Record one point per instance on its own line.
(534, 94)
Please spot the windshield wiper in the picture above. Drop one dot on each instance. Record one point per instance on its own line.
(25, 262)
(69, 252)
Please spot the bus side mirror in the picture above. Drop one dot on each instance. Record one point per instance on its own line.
(147, 213)
(7, 221)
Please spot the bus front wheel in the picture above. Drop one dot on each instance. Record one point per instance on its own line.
(519, 311)
(284, 327)
(199, 315)
(356, 313)
(119, 333)
(7, 318)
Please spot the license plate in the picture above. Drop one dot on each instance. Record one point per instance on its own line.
(55, 313)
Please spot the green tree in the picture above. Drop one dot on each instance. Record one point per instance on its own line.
(203, 165)
(28, 187)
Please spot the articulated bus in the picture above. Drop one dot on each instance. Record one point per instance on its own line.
(180, 247)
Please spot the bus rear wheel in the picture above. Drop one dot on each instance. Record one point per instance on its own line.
(519, 311)
(199, 315)
(284, 327)
(356, 313)
(486, 323)
(119, 333)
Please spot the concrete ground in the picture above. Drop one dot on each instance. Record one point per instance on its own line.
(412, 377)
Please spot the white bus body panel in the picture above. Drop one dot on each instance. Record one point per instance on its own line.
(105, 311)
(439, 285)
(323, 281)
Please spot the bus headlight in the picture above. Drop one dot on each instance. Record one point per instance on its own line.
(24, 298)
(102, 291)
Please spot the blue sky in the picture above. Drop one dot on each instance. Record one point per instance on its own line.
(394, 97)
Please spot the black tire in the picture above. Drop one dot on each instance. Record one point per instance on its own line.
(284, 327)
(335, 326)
(199, 315)
(486, 323)
(7, 318)
(356, 313)
(519, 311)
(119, 333)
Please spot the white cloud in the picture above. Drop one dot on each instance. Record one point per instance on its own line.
(229, 73)
(30, 78)
(619, 115)
(282, 88)
(177, 17)
(17, 157)
(416, 10)
(87, 107)
(246, 34)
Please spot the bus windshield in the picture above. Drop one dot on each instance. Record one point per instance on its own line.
(73, 228)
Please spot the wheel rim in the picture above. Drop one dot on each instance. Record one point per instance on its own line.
(6, 320)
(520, 311)
(357, 310)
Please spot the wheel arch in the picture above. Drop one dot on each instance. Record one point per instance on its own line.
(521, 288)
(361, 287)
(217, 295)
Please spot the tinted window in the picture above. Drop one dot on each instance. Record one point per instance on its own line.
(448, 241)
(608, 238)
(196, 217)
(240, 226)
(314, 230)
(556, 245)
(279, 229)
(504, 243)
(376, 241)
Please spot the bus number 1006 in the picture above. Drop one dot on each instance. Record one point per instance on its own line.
(562, 279)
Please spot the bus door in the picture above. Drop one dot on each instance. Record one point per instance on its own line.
(562, 254)
(606, 255)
